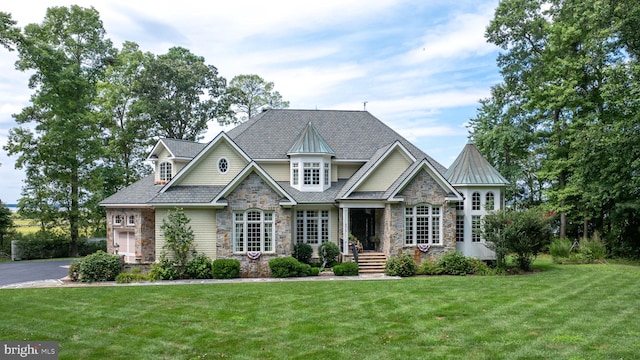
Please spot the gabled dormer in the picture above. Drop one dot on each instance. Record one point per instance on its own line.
(310, 161)
(170, 155)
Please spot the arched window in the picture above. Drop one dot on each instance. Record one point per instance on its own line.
(475, 201)
(165, 171)
(489, 201)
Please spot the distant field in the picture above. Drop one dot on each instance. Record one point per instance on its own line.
(25, 226)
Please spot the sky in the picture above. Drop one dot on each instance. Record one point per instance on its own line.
(421, 66)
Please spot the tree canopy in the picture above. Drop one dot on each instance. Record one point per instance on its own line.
(563, 125)
(248, 94)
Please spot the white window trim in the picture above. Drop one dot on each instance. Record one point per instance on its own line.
(319, 217)
(129, 222)
(476, 231)
(244, 223)
(165, 169)
(218, 165)
(414, 216)
(118, 219)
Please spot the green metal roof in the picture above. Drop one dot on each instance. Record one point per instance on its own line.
(310, 142)
(471, 168)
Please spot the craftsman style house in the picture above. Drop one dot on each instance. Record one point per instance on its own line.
(288, 176)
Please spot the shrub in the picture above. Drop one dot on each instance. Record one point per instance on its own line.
(314, 271)
(199, 267)
(560, 248)
(164, 269)
(284, 267)
(87, 247)
(479, 267)
(43, 245)
(304, 269)
(454, 263)
(303, 252)
(593, 249)
(226, 268)
(135, 275)
(429, 267)
(346, 269)
(328, 253)
(74, 270)
(99, 266)
(178, 237)
(401, 265)
(524, 233)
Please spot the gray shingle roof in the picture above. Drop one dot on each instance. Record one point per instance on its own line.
(326, 197)
(138, 193)
(353, 135)
(187, 195)
(183, 148)
(471, 168)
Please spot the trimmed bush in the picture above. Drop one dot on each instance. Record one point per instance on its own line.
(99, 266)
(74, 270)
(314, 271)
(284, 267)
(164, 269)
(454, 263)
(226, 268)
(401, 265)
(303, 252)
(304, 269)
(346, 269)
(328, 253)
(199, 267)
(479, 267)
(429, 267)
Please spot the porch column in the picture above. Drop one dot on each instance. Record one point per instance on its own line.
(345, 230)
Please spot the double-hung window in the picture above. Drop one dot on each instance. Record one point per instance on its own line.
(423, 225)
(253, 231)
(476, 228)
(165, 171)
(312, 227)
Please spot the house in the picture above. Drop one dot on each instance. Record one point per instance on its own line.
(312, 176)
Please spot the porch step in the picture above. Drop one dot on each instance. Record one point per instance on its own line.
(370, 262)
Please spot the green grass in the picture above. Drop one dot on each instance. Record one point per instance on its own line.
(563, 312)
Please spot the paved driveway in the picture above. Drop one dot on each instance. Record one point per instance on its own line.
(22, 271)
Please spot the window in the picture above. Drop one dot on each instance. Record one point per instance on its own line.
(165, 171)
(131, 220)
(223, 165)
(311, 173)
(475, 201)
(326, 174)
(253, 231)
(295, 175)
(475, 228)
(460, 228)
(423, 224)
(460, 206)
(312, 227)
(489, 201)
(118, 219)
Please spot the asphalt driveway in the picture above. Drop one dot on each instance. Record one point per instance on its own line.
(23, 271)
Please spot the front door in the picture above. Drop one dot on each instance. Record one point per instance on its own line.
(363, 226)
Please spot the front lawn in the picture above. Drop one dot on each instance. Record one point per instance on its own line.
(564, 312)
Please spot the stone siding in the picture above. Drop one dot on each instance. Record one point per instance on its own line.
(253, 193)
(423, 189)
(144, 230)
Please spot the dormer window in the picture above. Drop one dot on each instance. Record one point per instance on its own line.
(165, 171)
(310, 173)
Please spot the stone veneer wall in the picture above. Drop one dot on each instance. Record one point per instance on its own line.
(253, 193)
(144, 230)
(422, 189)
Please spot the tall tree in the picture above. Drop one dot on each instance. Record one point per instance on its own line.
(179, 94)
(571, 73)
(59, 133)
(248, 94)
(9, 33)
(126, 130)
